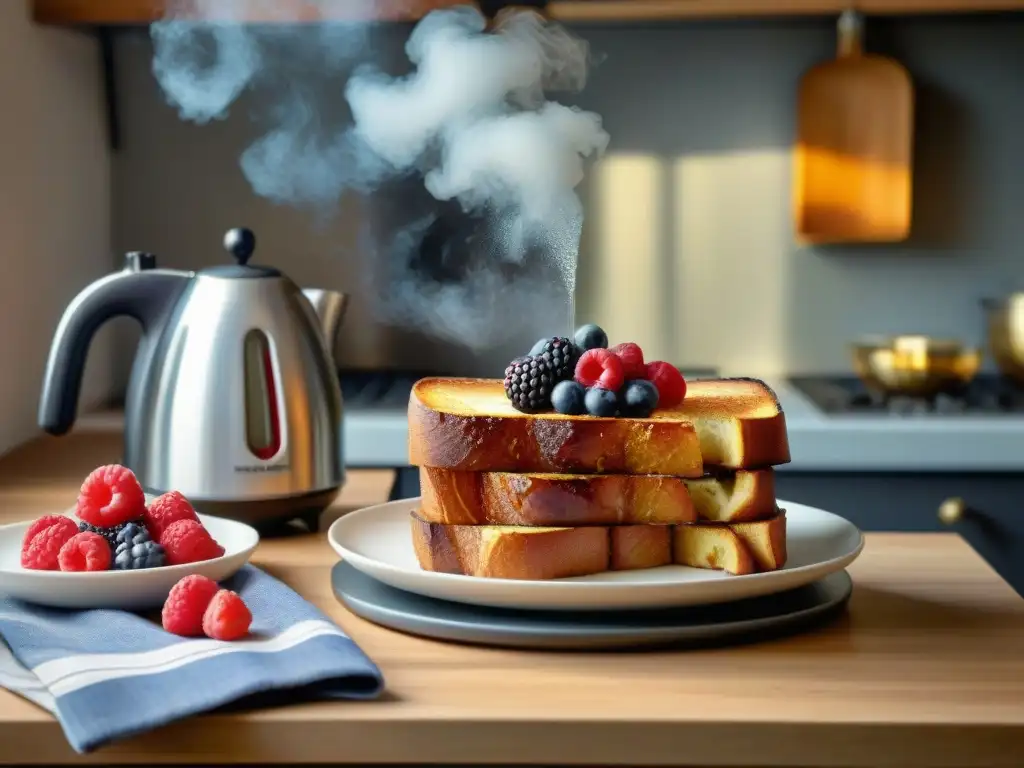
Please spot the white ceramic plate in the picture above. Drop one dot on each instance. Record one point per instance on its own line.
(129, 590)
(378, 541)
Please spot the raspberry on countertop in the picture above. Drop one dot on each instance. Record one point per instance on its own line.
(227, 617)
(185, 605)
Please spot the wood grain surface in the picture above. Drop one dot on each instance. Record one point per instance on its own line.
(925, 670)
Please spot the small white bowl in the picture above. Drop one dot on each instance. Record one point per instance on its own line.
(128, 590)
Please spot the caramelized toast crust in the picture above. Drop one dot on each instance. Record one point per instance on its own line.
(469, 424)
(509, 498)
(455, 497)
(538, 553)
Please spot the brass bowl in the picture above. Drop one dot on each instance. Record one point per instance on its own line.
(1006, 335)
(914, 366)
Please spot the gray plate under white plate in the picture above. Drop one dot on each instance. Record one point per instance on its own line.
(754, 619)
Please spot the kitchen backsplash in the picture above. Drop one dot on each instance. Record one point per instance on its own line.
(54, 206)
(688, 244)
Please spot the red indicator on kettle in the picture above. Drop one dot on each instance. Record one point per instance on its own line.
(262, 423)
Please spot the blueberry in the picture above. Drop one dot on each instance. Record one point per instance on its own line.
(590, 337)
(537, 348)
(129, 532)
(136, 549)
(568, 397)
(601, 402)
(639, 398)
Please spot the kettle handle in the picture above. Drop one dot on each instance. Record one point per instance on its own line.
(143, 294)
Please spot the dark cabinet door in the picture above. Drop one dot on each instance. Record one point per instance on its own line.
(990, 517)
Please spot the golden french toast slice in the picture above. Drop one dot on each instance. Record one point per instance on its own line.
(538, 553)
(736, 547)
(510, 552)
(456, 497)
(739, 422)
(469, 424)
(766, 540)
(510, 498)
(712, 546)
(732, 497)
(635, 547)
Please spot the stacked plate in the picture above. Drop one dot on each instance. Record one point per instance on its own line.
(380, 580)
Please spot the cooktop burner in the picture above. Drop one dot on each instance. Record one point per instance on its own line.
(987, 394)
(377, 389)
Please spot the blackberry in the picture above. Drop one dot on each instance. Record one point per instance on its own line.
(136, 549)
(561, 353)
(110, 534)
(528, 383)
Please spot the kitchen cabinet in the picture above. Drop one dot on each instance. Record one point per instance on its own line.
(141, 12)
(992, 522)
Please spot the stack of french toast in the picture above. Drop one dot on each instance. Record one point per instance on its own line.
(587, 459)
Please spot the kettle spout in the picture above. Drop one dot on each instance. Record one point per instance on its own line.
(330, 309)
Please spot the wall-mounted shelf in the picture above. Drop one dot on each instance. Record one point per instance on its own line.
(141, 12)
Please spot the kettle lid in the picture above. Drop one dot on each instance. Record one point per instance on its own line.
(240, 243)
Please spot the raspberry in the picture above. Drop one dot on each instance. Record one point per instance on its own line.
(227, 617)
(85, 551)
(185, 605)
(632, 358)
(669, 381)
(600, 368)
(110, 495)
(42, 524)
(166, 509)
(43, 539)
(186, 541)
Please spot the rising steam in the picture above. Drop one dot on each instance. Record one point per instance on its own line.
(472, 122)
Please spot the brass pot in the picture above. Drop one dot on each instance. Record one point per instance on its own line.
(1006, 335)
(914, 366)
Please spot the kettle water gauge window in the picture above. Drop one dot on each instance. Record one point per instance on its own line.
(262, 426)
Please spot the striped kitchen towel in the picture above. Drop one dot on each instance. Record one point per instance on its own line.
(107, 674)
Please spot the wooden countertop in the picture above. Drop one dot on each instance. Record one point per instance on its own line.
(925, 670)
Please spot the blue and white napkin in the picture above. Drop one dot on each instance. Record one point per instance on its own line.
(108, 674)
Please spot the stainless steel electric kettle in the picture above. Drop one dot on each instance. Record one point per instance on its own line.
(233, 399)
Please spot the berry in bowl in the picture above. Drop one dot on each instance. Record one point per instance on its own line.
(118, 549)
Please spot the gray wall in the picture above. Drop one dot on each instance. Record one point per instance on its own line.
(688, 245)
(54, 206)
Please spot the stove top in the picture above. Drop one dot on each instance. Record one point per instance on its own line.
(987, 394)
(377, 390)
(369, 391)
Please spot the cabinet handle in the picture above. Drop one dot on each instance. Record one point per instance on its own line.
(952, 511)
